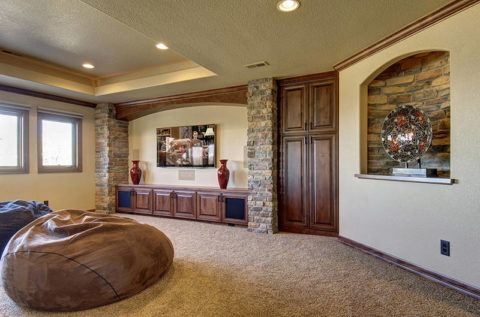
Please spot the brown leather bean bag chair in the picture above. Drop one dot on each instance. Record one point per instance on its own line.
(72, 260)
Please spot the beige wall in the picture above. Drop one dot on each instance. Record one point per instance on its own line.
(62, 190)
(408, 220)
(231, 138)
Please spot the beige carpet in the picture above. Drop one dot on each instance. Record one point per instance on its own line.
(227, 271)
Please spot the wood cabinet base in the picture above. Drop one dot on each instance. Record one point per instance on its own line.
(196, 203)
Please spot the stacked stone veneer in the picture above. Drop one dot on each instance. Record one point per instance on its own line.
(111, 157)
(262, 156)
(422, 80)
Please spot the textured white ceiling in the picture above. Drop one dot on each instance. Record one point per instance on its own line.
(220, 35)
(69, 33)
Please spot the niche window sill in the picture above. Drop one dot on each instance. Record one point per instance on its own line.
(428, 180)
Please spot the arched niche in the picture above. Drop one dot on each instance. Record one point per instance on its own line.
(421, 79)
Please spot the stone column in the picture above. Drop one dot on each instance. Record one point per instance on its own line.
(111, 157)
(262, 156)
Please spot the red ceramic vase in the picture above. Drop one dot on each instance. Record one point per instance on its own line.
(223, 174)
(135, 173)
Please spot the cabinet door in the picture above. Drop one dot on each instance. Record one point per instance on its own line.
(294, 108)
(234, 208)
(143, 201)
(208, 206)
(323, 183)
(162, 202)
(184, 204)
(322, 110)
(125, 199)
(293, 190)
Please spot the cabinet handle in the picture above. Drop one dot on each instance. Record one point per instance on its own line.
(305, 140)
(133, 203)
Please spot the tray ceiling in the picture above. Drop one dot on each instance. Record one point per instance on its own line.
(209, 41)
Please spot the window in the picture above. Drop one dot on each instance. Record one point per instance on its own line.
(13, 140)
(59, 143)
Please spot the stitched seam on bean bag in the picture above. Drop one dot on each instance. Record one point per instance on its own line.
(75, 261)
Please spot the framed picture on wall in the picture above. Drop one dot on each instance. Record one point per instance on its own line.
(187, 146)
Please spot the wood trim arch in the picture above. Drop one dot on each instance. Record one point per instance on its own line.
(135, 109)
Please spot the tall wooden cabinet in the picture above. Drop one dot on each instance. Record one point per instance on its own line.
(308, 156)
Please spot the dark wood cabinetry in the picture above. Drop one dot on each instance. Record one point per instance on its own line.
(294, 108)
(234, 208)
(308, 154)
(184, 202)
(322, 110)
(308, 107)
(131, 199)
(323, 182)
(172, 203)
(125, 199)
(163, 202)
(202, 203)
(294, 206)
(208, 206)
(143, 201)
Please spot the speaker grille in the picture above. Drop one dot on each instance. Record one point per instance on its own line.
(235, 208)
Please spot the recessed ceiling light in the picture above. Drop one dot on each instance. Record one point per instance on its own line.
(288, 5)
(162, 46)
(88, 65)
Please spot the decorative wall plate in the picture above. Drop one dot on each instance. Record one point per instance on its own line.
(406, 133)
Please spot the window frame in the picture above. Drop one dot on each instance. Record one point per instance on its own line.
(77, 142)
(23, 140)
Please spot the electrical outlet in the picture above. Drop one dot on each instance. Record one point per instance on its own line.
(445, 247)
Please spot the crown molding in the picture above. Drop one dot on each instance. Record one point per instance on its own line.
(34, 61)
(306, 78)
(436, 16)
(17, 66)
(42, 95)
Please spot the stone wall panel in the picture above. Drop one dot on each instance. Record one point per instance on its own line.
(111, 157)
(262, 156)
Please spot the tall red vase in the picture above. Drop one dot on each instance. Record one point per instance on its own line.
(135, 173)
(223, 174)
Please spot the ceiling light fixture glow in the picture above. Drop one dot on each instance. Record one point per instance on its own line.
(88, 66)
(288, 5)
(162, 46)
